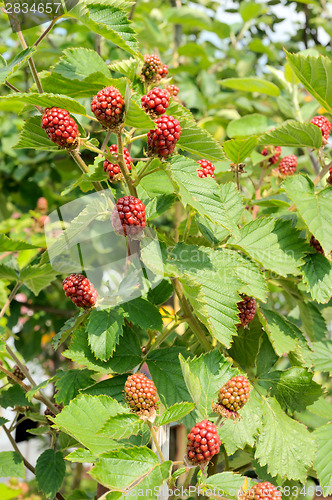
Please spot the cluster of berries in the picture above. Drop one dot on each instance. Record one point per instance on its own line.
(261, 491)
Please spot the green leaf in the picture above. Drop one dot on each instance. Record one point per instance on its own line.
(175, 413)
(323, 460)
(50, 472)
(19, 60)
(7, 493)
(250, 10)
(110, 387)
(284, 335)
(247, 126)
(30, 394)
(225, 484)
(276, 245)
(127, 355)
(81, 455)
(251, 84)
(11, 464)
(69, 383)
(322, 355)
(315, 74)
(8, 273)
(127, 67)
(266, 357)
(238, 150)
(288, 458)
(204, 195)
(198, 141)
(76, 63)
(38, 277)
(32, 136)
(246, 344)
(85, 416)
(165, 369)
(317, 276)
(14, 396)
(236, 434)
(9, 245)
(187, 16)
(47, 101)
(108, 21)
(293, 388)
(119, 469)
(104, 332)
(3, 421)
(121, 426)
(294, 134)
(77, 88)
(136, 117)
(144, 314)
(68, 327)
(314, 208)
(204, 376)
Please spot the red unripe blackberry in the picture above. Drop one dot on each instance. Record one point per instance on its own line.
(247, 308)
(288, 165)
(271, 149)
(80, 290)
(42, 204)
(234, 395)
(323, 123)
(156, 101)
(261, 491)
(49, 413)
(203, 443)
(162, 141)
(108, 106)
(128, 216)
(316, 245)
(152, 68)
(173, 90)
(141, 394)
(329, 179)
(18, 372)
(113, 169)
(207, 169)
(60, 127)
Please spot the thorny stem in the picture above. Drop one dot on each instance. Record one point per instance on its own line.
(191, 319)
(123, 166)
(10, 298)
(155, 440)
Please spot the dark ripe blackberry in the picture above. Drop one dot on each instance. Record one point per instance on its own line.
(141, 395)
(316, 245)
(113, 169)
(49, 413)
(173, 90)
(207, 169)
(203, 443)
(261, 491)
(129, 216)
(323, 123)
(18, 372)
(247, 308)
(288, 165)
(162, 141)
(156, 101)
(232, 397)
(108, 106)
(80, 290)
(60, 127)
(268, 150)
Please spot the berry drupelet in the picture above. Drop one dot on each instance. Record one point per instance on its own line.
(141, 395)
(207, 168)
(60, 127)
(268, 150)
(129, 216)
(261, 491)
(316, 245)
(156, 101)
(288, 165)
(203, 443)
(247, 308)
(80, 290)
(113, 169)
(323, 123)
(162, 141)
(108, 106)
(232, 397)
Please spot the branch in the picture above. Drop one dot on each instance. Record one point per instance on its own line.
(123, 166)
(10, 298)
(84, 168)
(47, 30)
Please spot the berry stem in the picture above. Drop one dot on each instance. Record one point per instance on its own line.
(188, 224)
(105, 142)
(31, 63)
(133, 139)
(323, 172)
(226, 460)
(46, 31)
(165, 334)
(189, 478)
(13, 377)
(191, 319)
(11, 86)
(84, 168)
(155, 441)
(10, 298)
(123, 166)
(142, 172)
